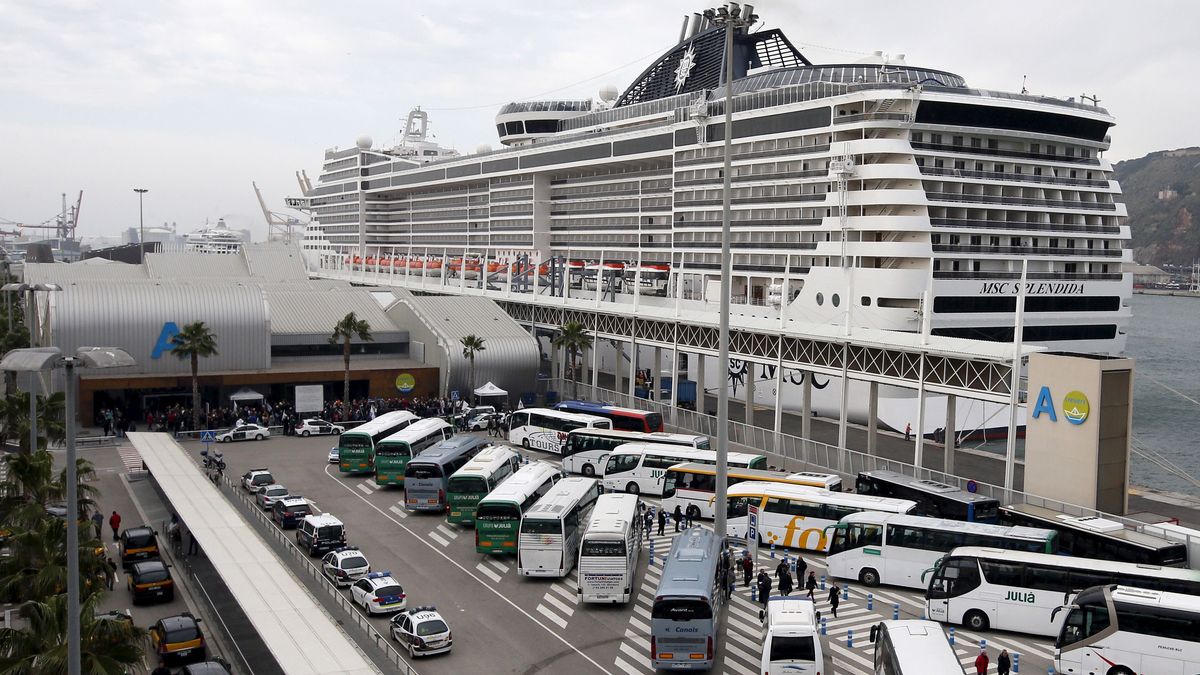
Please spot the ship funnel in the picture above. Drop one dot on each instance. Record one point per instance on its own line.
(683, 28)
(693, 26)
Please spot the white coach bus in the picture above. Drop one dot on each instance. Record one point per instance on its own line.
(609, 551)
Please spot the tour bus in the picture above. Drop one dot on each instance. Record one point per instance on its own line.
(546, 429)
(491, 467)
(1094, 537)
(641, 467)
(393, 453)
(356, 447)
(624, 419)
(1118, 629)
(586, 450)
(427, 476)
(934, 499)
(685, 616)
(550, 530)
(498, 515)
(1018, 591)
(791, 641)
(798, 516)
(693, 486)
(901, 550)
(1184, 535)
(609, 550)
(913, 647)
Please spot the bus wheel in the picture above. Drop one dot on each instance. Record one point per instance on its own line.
(869, 577)
(976, 620)
(632, 488)
(589, 470)
(525, 444)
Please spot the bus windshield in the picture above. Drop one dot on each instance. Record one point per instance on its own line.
(394, 450)
(792, 648)
(498, 512)
(468, 484)
(354, 441)
(541, 526)
(421, 470)
(682, 609)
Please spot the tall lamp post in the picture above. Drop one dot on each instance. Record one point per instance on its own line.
(732, 17)
(141, 225)
(36, 359)
(29, 325)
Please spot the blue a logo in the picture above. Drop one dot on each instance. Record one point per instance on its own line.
(164, 344)
(1045, 404)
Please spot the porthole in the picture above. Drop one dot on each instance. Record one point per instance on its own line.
(866, 301)
(820, 299)
(836, 300)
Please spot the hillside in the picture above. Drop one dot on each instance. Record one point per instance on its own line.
(1162, 192)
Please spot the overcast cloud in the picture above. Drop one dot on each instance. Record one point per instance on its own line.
(195, 100)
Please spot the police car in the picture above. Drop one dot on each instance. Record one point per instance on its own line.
(334, 455)
(256, 478)
(379, 593)
(319, 534)
(245, 432)
(345, 565)
(267, 495)
(423, 631)
(317, 427)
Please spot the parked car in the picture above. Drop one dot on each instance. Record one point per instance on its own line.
(245, 432)
(318, 427)
(178, 639)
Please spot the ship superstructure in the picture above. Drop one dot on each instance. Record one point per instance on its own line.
(874, 193)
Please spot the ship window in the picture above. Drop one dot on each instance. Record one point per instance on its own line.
(998, 168)
(976, 142)
(517, 127)
(1051, 150)
(957, 140)
(993, 143)
(820, 299)
(979, 166)
(920, 161)
(866, 301)
(936, 139)
(918, 136)
(937, 163)
(836, 300)
(959, 164)
(1035, 148)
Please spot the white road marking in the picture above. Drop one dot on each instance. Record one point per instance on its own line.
(558, 604)
(627, 668)
(434, 536)
(447, 532)
(364, 489)
(571, 596)
(489, 573)
(552, 616)
(398, 511)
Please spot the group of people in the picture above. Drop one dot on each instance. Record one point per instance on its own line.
(783, 576)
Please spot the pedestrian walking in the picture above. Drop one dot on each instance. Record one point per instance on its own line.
(193, 548)
(801, 568)
(747, 568)
(662, 521)
(811, 585)
(908, 431)
(835, 597)
(764, 587)
(678, 516)
(114, 521)
(781, 569)
(110, 572)
(687, 516)
(98, 522)
(1003, 663)
(982, 662)
(785, 583)
(647, 523)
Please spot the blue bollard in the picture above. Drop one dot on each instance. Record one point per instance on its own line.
(850, 638)
(772, 550)
(822, 582)
(753, 593)
(1050, 670)
(845, 592)
(664, 559)
(895, 611)
(793, 566)
(951, 638)
(651, 551)
(1016, 662)
(982, 645)
(870, 601)
(824, 628)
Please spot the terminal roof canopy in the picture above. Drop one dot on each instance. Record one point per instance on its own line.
(245, 394)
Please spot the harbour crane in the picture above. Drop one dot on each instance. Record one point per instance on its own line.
(279, 225)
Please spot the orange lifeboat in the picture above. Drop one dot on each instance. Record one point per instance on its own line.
(416, 264)
(433, 267)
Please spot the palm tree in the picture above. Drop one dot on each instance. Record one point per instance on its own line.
(36, 566)
(29, 488)
(575, 338)
(193, 342)
(472, 345)
(110, 644)
(344, 331)
(86, 492)
(14, 419)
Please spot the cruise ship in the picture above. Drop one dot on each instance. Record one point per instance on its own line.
(218, 239)
(874, 193)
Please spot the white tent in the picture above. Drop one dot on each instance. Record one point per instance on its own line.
(490, 389)
(243, 395)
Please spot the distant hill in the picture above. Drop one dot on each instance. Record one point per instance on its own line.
(1162, 192)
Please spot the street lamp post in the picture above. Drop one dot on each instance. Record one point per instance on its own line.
(36, 359)
(141, 226)
(29, 326)
(732, 17)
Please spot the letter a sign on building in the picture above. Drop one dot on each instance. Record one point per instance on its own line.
(164, 344)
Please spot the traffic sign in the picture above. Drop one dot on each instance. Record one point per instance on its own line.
(752, 531)
(454, 395)
(207, 437)
(972, 486)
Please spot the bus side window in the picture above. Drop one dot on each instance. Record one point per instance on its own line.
(738, 507)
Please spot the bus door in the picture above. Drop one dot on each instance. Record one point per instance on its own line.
(955, 577)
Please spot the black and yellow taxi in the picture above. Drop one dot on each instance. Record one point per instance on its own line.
(137, 544)
(178, 639)
(151, 581)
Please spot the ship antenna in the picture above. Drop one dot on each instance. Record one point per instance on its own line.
(1023, 89)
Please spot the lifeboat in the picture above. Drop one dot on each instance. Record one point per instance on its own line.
(349, 261)
(416, 265)
(370, 262)
(385, 262)
(433, 267)
(357, 260)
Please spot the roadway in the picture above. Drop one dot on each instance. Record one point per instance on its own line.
(505, 623)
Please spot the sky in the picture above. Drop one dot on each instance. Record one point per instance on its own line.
(193, 101)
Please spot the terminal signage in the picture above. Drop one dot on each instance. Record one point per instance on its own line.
(164, 344)
(1075, 406)
(405, 383)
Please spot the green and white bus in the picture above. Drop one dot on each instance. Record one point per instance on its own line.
(393, 453)
(901, 550)
(356, 447)
(487, 470)
(498, 515)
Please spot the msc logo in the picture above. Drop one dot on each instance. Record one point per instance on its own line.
(164, 344)
(1075, 406)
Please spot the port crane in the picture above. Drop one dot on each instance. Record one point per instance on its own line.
(63, 224)
(279, 225)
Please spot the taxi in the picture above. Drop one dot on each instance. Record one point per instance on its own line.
(256, 478)
(138, 543)
(345, 565)
(423, 631)
(151, 581)
(318, 427)
(379, 593)
(178, 640)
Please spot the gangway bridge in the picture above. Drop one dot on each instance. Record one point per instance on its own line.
(299, 634)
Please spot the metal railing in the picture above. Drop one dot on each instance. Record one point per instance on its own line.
(285, 547)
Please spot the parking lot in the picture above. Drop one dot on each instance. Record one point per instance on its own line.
(505, 623)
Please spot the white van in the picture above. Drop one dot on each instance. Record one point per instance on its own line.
(792, 642)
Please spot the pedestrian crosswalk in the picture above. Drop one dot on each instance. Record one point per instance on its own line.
(130, 458)
(494, 568)
(560, 600)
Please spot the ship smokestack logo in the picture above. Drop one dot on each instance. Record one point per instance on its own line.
(686, 63)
